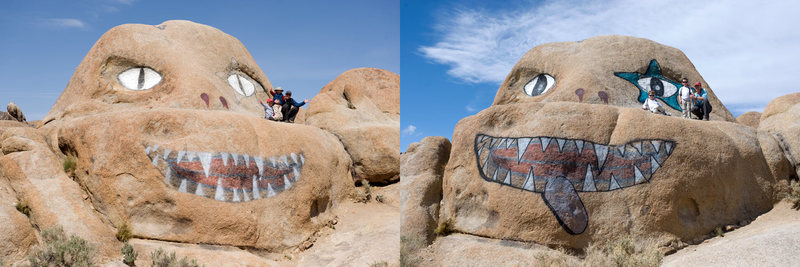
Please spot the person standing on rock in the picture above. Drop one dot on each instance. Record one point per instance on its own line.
(277, 104)
(686, 99)
(291, 107)
(702, 108)
(653, 105)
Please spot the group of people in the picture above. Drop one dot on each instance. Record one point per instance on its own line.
(691, 100)
(281, 107)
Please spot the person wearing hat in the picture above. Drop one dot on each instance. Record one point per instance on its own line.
(278, 97)
(291, 107)
(702, 108)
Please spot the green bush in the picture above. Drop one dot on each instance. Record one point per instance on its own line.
(58, 250)
(69, 165)
(162, 259)
(129, 254)
(793, 195)
(444, 228)
(22, 206)
(124, 232)
(379, 264)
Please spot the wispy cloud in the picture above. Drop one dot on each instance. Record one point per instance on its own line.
(737, 54)
(409, 130)
(65, 23)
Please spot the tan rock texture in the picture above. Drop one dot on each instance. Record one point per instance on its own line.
(750, 118)
(422, 168)
(595, 71)
(362, 108)
(585, 173)
(781, 118)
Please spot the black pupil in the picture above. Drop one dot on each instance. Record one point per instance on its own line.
(141, 79)
(656, 86)
(538, 87)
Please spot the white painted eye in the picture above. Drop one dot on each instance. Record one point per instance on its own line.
(139, 78)
(241, 85)
(662, 88)
(539, 84)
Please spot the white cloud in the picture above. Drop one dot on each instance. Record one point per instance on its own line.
(746, 50)
(409, 130)
(66, 23)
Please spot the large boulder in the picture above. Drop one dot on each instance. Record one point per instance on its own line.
(167, 135)
(362, 108)
(421, 170)
(781, 118)
(613, 70)
(568, 167)
(750, 118)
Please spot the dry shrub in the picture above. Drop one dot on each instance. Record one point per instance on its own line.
(162, 259)
(58, 250)
(793, 195)
(624, 251)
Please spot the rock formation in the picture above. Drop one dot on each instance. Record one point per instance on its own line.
(750, 118)
(13, 113)
(362, 108)
(160, 129)
(421, 168)
(565, 155)
(781, 118)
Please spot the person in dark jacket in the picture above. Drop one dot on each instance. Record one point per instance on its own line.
(291, 107)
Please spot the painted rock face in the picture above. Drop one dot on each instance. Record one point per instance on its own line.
(613, 70)
(559, 158)
(170, 138)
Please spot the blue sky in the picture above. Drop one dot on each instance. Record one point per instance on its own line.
(455, 54)
(300, 45)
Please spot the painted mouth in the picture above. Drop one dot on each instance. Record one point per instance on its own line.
(223, 176)
(560, 167)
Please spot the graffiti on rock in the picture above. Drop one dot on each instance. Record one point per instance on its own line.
(559, 168)
(652, 80)
(224, 176)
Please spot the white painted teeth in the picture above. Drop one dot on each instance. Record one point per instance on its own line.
(180, 155)
(654, 165)
(235, 159)
(560, 144)
(545, 141)
(246, 160)
(296, 173)
(219, 194)
(656, 145)
(638, 146)
(588, 181)
(236, 195)
(286, 183)
(530, 183)
(182, 188)
(260, 165)
(522, 146)
(602, 152)
(166, 153)
(205, 160)
(302, 159)
(256, 191)
(272, 159)
(508, 178)
(224, 157)
(638, 174)
(199, 190)
(270, 191)
(168, 175)
(579, 144)
(294, 158)
(614, 183)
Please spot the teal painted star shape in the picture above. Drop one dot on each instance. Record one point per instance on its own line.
(652, 80)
